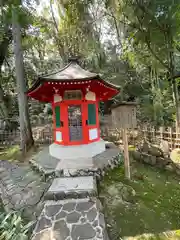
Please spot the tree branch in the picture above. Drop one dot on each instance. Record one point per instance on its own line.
(147, 10)
(147, 41)
(155, 55)
(59, 45)
(116, 27)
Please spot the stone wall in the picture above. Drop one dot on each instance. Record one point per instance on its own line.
(159, 161)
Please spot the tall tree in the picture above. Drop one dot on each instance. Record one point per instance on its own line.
(25, 127)
(152, 29)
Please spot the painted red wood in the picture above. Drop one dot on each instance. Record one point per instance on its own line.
(46, 90)
(64, 118)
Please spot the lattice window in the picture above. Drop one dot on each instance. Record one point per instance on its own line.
(73, 95)
(91, 114)
(57, 116)
(75, 122)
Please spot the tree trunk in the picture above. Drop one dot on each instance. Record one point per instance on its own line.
(151, 76)
(25, 127)
(176, 103)
(171, 72)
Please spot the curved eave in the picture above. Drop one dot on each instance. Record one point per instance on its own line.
(45, 79)
(40, 81)
(94, 78)
(36, 85)
(72, 72)
(109, 84)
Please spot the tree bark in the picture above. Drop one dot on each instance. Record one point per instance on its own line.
(172, 72)
(25, 127)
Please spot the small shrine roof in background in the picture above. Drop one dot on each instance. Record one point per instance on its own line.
(123, 104)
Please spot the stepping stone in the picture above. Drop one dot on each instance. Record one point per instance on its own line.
(72, 187)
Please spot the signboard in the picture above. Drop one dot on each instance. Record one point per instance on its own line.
(124, 115)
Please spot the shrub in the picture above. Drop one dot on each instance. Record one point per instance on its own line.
(12, 227)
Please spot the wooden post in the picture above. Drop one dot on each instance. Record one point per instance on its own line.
(171, 139)
(133, 130)
(161, 133)
(126, 155)
(145, 132)
(153, 134)
(175, 139)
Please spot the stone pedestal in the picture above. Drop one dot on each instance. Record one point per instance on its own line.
(76, 157)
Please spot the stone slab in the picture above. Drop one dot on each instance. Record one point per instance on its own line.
(72, 187)
(76, 152)
(79, 163)
(71, 220)
(103, 159)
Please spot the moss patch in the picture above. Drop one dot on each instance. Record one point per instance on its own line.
(154, 212)
(10, 153)
(13, 153)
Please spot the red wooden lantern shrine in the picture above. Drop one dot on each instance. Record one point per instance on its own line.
(74, 94)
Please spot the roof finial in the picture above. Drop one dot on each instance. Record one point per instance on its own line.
(74, 59)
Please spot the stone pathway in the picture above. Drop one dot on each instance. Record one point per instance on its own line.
(21, 187)
(80, 215)
(71, 220)
(71, 210)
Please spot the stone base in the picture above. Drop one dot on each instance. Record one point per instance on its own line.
(49, 165)
(85, 151)
(78, 187)
(79, 163)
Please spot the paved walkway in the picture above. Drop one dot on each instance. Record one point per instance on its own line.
(80, 215)
(21, 187)
(71, 220)
(71, 210)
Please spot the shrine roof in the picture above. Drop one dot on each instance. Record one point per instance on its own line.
(72, 71)
(72, 76)
(116, 105)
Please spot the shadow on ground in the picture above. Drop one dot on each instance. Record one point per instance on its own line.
(153, 213)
